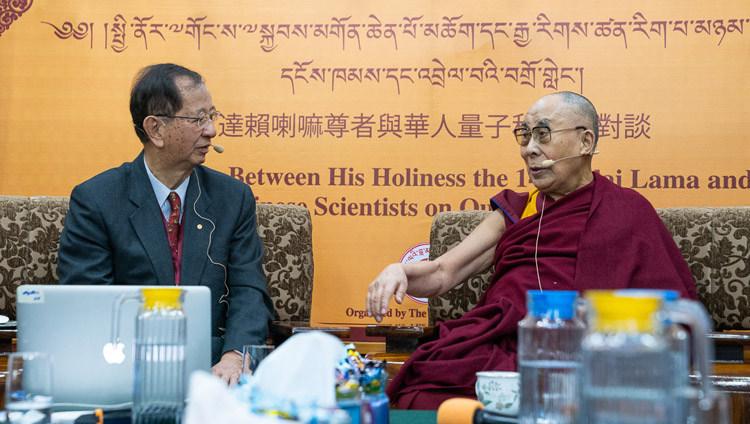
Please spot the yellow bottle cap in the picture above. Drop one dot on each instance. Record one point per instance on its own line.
(162, 298)
(617, 312)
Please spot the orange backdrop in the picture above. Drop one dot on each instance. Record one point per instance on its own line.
(378, 114)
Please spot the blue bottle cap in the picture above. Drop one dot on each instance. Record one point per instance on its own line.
(555, 304)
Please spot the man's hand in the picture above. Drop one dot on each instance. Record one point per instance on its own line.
(229, 367)
(392, 281)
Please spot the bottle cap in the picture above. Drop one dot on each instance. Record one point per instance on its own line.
(553, 304)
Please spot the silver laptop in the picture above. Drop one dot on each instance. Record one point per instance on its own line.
(73, 323)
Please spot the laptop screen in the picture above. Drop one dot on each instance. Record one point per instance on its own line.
(73, 323)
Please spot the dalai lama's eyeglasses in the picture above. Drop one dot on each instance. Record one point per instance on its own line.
(541, 134)
(201, 120)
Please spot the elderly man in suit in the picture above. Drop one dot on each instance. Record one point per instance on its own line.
(165, 219)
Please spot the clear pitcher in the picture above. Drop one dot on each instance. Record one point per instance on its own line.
(160, 354)
(635, 361)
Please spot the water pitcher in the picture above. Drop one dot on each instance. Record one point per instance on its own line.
(635, 361)
(160, 354)
(549, 358)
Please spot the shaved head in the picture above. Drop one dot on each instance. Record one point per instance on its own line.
(584, 108)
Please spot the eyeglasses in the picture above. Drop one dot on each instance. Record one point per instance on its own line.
(541, 134)
(201, 120)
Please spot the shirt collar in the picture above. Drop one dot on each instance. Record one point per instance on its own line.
(162, 192)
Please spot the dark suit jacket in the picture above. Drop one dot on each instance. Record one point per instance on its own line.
(114, 234)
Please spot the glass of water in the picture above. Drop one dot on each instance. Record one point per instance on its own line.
(252, 355)
(28, 388)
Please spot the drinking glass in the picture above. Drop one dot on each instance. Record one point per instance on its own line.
(28, 388)
(252, 355)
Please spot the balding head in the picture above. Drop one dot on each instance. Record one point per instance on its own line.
(584, 108)
(562, 127)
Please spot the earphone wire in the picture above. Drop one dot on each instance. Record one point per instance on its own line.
(536, 245)
(223, 297)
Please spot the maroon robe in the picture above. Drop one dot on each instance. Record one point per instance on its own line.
(600, 236)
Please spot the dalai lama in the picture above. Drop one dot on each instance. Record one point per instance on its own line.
(575, 231)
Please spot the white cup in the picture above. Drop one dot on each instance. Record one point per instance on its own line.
(499, 391)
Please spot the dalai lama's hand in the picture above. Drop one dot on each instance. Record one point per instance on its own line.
(229, 367)
(392, 281)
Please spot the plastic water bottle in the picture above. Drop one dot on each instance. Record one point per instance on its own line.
(549, 358)
(160, 337)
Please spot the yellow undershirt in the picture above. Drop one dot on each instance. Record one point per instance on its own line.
(530, 208)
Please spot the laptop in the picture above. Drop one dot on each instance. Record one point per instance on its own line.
(73, 323)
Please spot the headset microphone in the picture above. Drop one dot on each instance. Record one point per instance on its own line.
(218, 148)
(549, 162)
